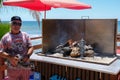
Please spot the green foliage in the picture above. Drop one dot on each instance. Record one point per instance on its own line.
(1, 2)
(4, 28)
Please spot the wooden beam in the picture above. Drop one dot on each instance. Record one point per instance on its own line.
(36, 38)
(38, 46)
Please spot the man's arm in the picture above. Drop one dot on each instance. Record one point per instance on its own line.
(30, 51)
(5, 55)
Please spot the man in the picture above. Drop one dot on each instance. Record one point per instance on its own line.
(2, 68)
(17, 49)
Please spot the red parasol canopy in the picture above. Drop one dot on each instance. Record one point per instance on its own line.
(70, 4)
(43, 5)
(30, 4)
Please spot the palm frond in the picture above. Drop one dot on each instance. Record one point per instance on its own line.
(36, 15)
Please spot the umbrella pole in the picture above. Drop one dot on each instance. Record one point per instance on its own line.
(45, 14)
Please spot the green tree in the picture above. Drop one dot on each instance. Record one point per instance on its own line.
(4, 28)
(1, 2)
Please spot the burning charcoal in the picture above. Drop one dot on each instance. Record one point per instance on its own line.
(75, 44)
(88, 47)
(68, 43)
(75, 52)
(89, 53)
(59, 46)
(67, 51)
(58, 49)
(62, 52)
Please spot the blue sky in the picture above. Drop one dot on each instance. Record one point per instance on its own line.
(101, 9)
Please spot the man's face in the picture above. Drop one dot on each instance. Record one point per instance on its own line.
(15, 26)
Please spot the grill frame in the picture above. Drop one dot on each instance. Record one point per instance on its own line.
(100, 31)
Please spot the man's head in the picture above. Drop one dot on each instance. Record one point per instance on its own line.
(16, 18)
(16, 23)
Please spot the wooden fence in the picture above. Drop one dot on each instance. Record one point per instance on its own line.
(47, 70)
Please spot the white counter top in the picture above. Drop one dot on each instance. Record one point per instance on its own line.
(113, 68)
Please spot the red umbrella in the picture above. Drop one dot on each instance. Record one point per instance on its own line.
(70, 4)
(30, 4)
(43, 5)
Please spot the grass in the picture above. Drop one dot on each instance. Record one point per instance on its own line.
(4, 28)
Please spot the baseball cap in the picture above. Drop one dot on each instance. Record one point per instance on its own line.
(16, 18)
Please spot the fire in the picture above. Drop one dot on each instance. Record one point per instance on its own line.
(73, 49)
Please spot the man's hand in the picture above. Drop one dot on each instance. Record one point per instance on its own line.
(26, 58)
(14, 61)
